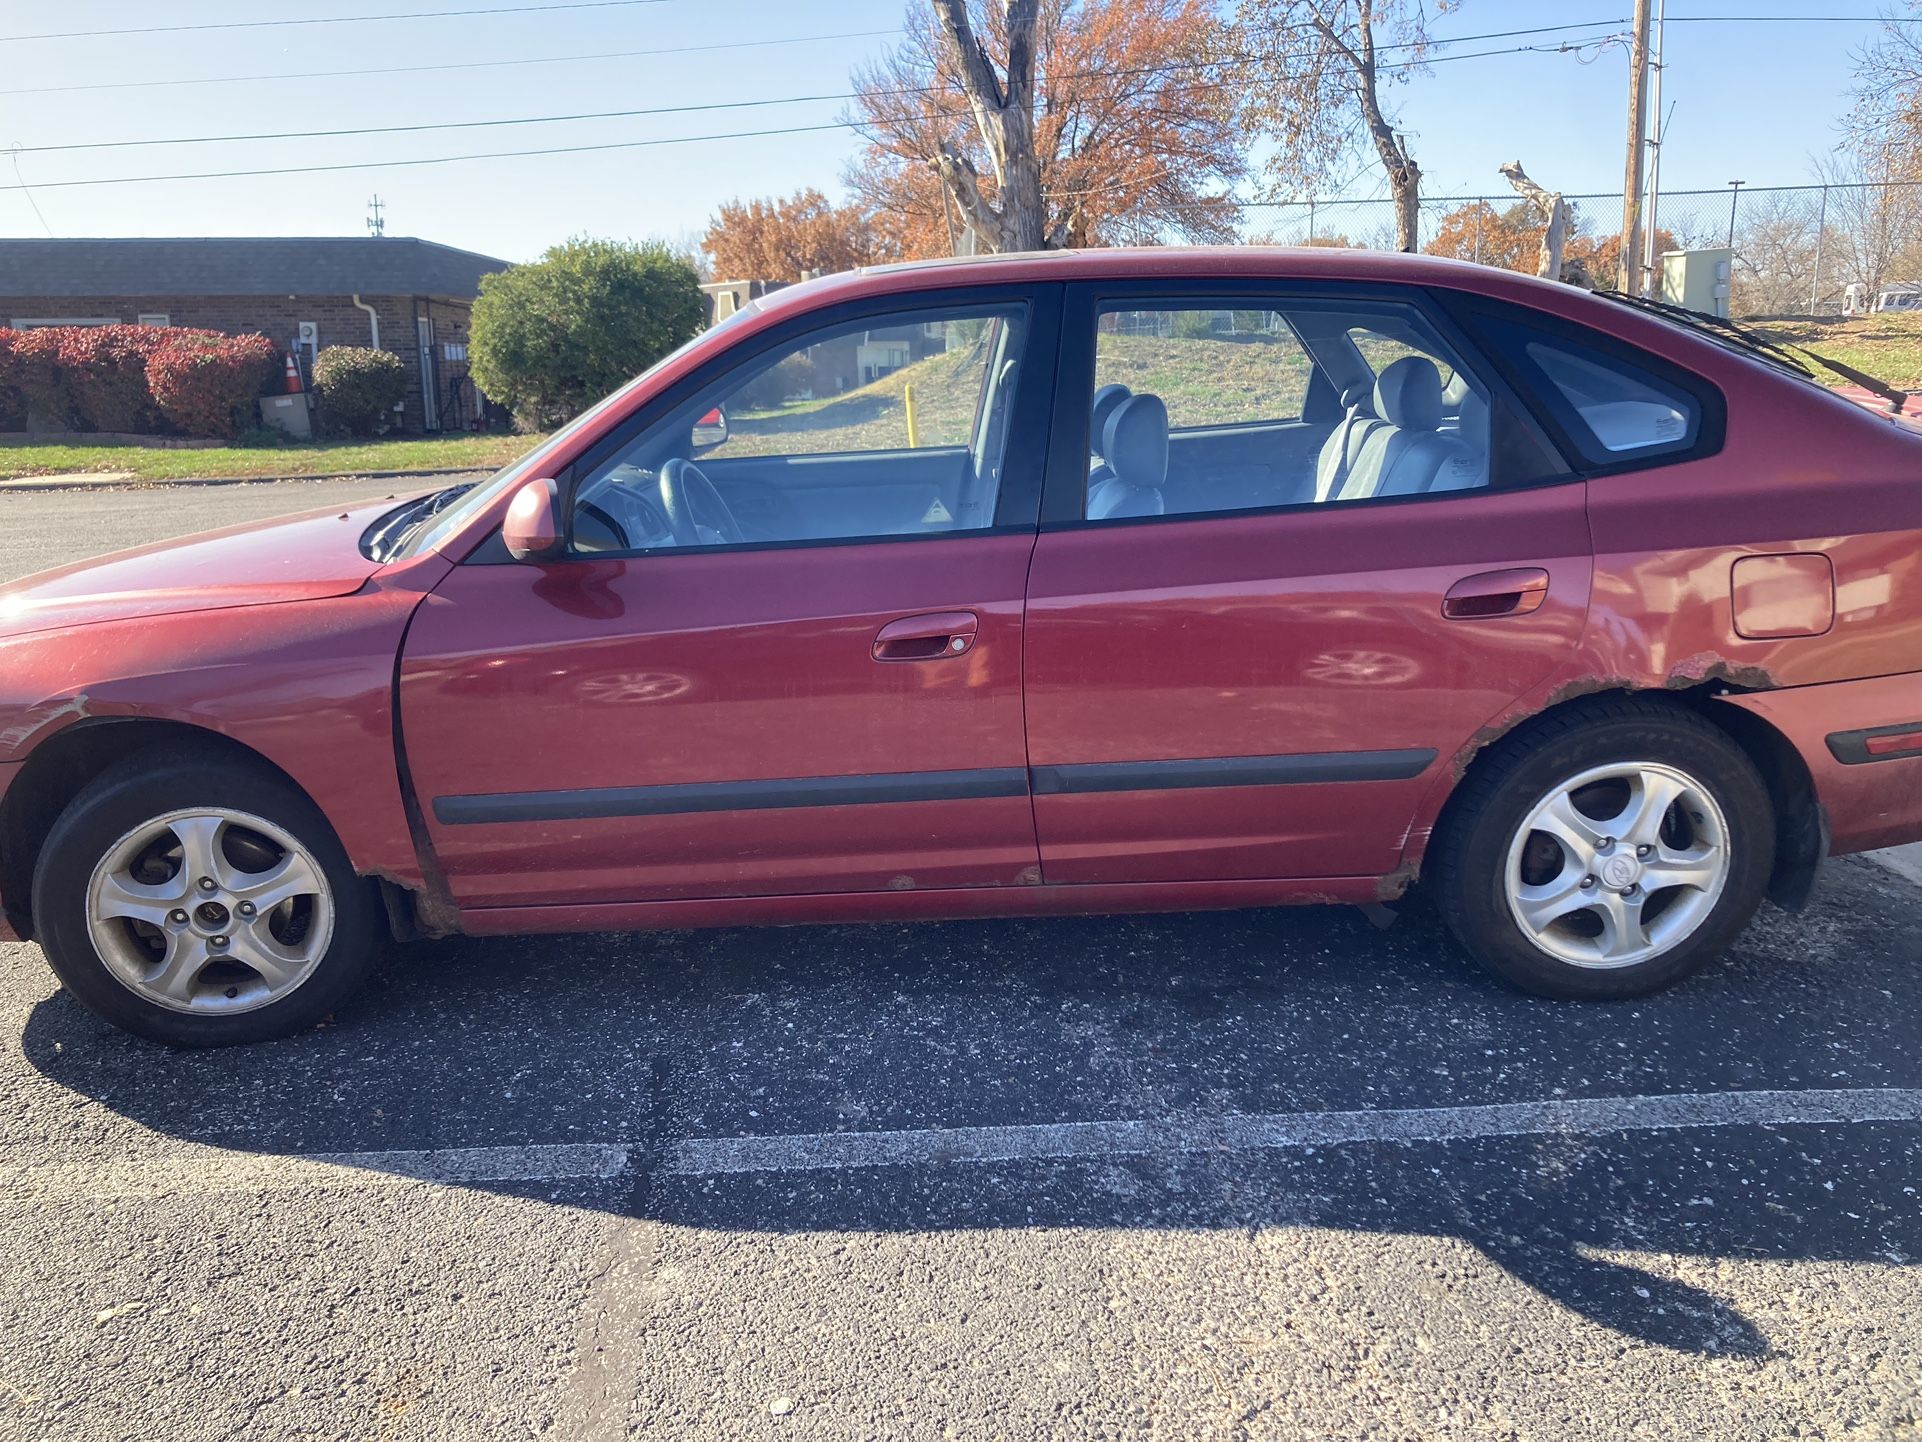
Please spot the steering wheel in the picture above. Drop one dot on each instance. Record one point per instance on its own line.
(684, 490)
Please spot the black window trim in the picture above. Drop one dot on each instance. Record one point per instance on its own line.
(1064, 500)
(1018, 502)
(1553, 411)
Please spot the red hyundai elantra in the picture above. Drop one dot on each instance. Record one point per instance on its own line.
(1106, 581)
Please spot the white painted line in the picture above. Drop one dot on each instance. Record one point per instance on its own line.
(204, 1170)
(705, 1156)
(200, 1170)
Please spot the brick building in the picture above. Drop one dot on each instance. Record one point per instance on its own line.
(408, 296)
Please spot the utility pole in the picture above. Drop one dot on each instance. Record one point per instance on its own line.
(376, 222)
(1631, 281)
(1650, 255)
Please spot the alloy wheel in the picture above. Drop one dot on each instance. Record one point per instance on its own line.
(209, 910)
(1618, 864)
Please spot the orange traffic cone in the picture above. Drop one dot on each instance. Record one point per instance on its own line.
(293, 375)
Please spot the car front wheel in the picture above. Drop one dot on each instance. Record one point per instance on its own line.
(198, 901)
(1607, 852)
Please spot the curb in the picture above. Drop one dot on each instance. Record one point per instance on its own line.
(67, 483)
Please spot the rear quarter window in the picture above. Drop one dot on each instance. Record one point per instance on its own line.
(1617, 406)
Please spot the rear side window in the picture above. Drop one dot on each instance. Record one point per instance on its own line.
(1616, 410)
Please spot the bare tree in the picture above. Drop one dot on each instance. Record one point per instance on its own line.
(1875, 213)
(1555, 219)
(1003, 105)
(1135, 133)
(1775, 253)
(1319, 91)
(1888, 94)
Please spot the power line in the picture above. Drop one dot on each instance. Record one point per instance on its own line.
(455, 65)
(428, 160)
(542, 151)
(333, 20)
(1148, 70)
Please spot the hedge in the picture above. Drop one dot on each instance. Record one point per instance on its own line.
(205, 384)
(358, 388)
(133, 378)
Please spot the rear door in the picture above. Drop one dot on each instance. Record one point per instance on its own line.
(1249, 684)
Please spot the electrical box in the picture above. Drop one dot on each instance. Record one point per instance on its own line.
(1698, 279)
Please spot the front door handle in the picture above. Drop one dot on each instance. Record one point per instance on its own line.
(1496, 593)
(928, 637)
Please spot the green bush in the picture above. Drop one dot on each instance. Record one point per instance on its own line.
(357, 389)
(794, 376)
(553, 337)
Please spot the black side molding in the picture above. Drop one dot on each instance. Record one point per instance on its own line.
(1299, 770)
(603, 802)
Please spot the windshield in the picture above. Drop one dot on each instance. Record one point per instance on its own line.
(455, 517)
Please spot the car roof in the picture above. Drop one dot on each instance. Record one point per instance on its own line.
(1171, 262)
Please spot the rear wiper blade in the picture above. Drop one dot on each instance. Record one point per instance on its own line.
(1766, 346)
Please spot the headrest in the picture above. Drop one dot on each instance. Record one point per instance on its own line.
(1408, 394)
(1105, 400)
(1135, 442)
(1360, 395)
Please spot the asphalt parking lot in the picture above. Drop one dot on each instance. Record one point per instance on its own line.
(1267, 1175)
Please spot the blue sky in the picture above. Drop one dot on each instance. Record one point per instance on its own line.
(1751, 100)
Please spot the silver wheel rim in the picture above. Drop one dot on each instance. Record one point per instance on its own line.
(209, 911)
(1617, 865)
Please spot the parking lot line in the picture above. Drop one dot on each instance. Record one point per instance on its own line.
(704, 1156)
(205, 1169)
(202, 1169)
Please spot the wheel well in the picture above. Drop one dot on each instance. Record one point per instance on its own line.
(62, 765)
(1801, 830)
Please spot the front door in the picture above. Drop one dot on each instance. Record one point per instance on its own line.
(1296, 612)
(783, 654)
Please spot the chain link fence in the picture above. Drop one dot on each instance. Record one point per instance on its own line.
(1796, 248)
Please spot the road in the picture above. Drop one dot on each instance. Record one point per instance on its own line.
(1267, 1175)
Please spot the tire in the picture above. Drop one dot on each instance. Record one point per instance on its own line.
(1545, 897)
(146, 944)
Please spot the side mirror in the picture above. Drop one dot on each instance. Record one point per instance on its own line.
(710, 430)
(533, 530)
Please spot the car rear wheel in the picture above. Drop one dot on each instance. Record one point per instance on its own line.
(1607, 852)
(199, 902)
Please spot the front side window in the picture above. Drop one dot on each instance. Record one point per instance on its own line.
(891, 426)
(1280, 403)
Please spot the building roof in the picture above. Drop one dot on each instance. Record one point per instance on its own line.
(218, 265)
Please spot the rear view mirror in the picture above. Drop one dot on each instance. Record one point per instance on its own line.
(532, 529)
(709, 431)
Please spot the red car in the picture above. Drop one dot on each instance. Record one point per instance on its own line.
(1109, 581)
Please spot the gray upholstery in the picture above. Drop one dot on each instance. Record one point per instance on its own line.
(1105, 401)
(1408, 394)
(1340, 451)
(1407, 454)
(1134, 442)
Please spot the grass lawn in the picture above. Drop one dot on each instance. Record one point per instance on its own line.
(1888, 347)
(320, 458)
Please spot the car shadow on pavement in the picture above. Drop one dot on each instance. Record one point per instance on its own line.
(652, 1040)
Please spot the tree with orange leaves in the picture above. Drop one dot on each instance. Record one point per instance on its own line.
(1511, 238)
(1048, 123)
(785, 239)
